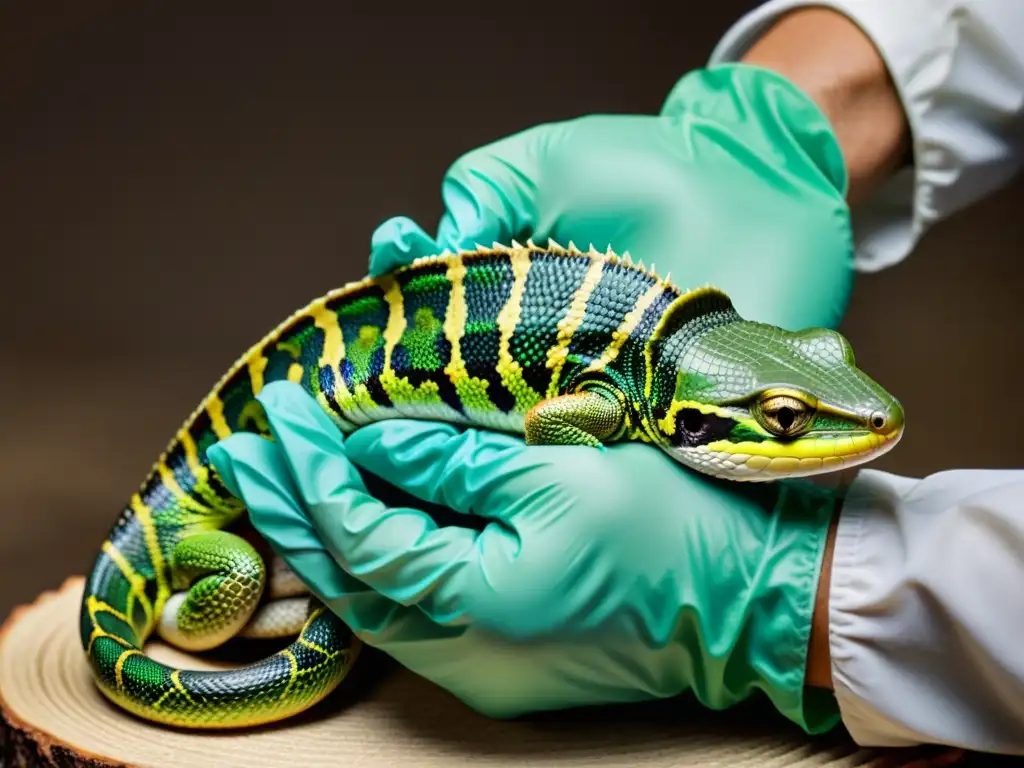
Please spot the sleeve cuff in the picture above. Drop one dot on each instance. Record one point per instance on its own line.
(924, 619)
(960, 76)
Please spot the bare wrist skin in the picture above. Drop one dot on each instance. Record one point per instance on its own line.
(827, 56)
(819, 659)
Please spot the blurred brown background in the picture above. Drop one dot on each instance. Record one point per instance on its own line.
(175, 182)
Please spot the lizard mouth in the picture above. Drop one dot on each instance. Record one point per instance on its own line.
(811, 455)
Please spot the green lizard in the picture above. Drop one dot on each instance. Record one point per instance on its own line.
(560, 345)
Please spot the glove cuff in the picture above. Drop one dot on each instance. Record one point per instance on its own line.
(769, 110)
(760, 640)
(782, 613)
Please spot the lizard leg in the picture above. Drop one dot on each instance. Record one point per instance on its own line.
(222, 579)
(589, 417)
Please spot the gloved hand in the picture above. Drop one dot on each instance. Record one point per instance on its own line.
(739, 183)
(601, 575)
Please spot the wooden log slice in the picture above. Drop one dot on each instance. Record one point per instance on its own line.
(52, 715)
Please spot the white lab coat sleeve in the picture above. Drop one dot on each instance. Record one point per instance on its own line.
(926, 626)
(958, 66)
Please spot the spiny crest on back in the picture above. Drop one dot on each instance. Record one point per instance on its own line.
(689, 305)
(609, 256)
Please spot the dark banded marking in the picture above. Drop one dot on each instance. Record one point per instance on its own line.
(481, 286)
(362, 317)
(554, 296)
(694, 428)
(619, 290)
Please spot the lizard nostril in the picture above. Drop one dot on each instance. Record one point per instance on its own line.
(878, 421)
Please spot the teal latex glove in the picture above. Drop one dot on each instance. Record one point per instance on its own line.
(601, 575)
(739, 183)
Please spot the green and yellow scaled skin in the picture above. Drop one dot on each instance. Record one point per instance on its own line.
(563, 346)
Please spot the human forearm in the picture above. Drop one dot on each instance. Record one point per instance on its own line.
(836, 64)
(959, 74)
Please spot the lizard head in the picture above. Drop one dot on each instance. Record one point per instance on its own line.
(748, 401)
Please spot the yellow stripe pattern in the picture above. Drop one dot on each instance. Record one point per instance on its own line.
(333, 349)
(652, 343)
(138, 590)
(805, 448)
(508, 367)
(119, 665)
(145, 517)
(199, 472)
(395, 326)
(257, 364)
(471, 390)
(293, 674)
(96, 606)
(628, 325)
(215, 409)
(569, 324)
(399, 389)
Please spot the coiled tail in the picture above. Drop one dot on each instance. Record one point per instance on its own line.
(131, 593)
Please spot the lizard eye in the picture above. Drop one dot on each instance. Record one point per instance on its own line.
(784, 415)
